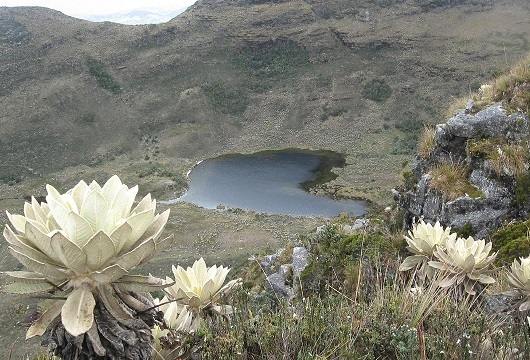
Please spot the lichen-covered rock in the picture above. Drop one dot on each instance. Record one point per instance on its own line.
(268, 261)
(490, 122)
(276, 282)
(483, 215)
(300, 255)
(479, 215)
(284, 282)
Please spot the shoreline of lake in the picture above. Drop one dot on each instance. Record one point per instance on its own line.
(295, 173)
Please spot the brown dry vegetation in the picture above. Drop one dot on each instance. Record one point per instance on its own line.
(505, 158)
(193, 85)
(451, 179)
(427, 142)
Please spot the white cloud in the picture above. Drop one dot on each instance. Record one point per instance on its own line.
(98, 9)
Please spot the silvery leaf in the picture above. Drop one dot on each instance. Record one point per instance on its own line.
(70, 254)
(139, 283)
(99, 249)
(39, 327)
(94, 210)
(40, 240)
(139, 224)
(411, 262)
(77, 229)
(109, 274)
(18, 221)
(134, 257)
(77, 313)
(27, 288)
(40, 267)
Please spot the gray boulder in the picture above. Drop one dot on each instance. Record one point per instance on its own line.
(300, 259)
(284, 282)
(277, 283)
(490, 122)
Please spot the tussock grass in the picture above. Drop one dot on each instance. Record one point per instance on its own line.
(512, 159)
(505, 158)
(451, 179)
(512, 88)
(457, 104)
(427, 142)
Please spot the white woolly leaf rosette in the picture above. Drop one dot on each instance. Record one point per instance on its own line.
(519, 279)
(80, 241)
(422, 241)
(178, 320)
(201, 287)
(466, 261)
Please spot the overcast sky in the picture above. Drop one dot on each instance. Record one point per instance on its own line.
(96, 10)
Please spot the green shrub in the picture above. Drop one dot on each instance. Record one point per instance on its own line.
(13, 32)
(465, 231)
(511, 242)
(317, 329)
(522, 189)
(103, 78)
(225, 100)
(331, 112)
(11, 179)
(409, 181)
(281, 58)
(405, 145)
(376, 90)
(338, 259)
(409, 123)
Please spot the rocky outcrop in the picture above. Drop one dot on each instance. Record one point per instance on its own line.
(482, 143)
(281, 277)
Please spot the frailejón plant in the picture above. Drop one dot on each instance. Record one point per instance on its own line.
(519, 279)
(80, 246)
(422, 241)
(178, 320)
(466, 263)
(201, 288)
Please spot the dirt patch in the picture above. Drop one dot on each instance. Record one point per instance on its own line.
(253, 240)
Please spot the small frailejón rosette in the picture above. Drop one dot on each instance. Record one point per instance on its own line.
(201, 288)
(422, 241)
(178, 320)
(519, 279)
(465, 262)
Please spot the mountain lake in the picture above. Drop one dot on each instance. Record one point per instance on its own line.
(272, 182)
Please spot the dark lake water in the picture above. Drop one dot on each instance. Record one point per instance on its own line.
(267, 182)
